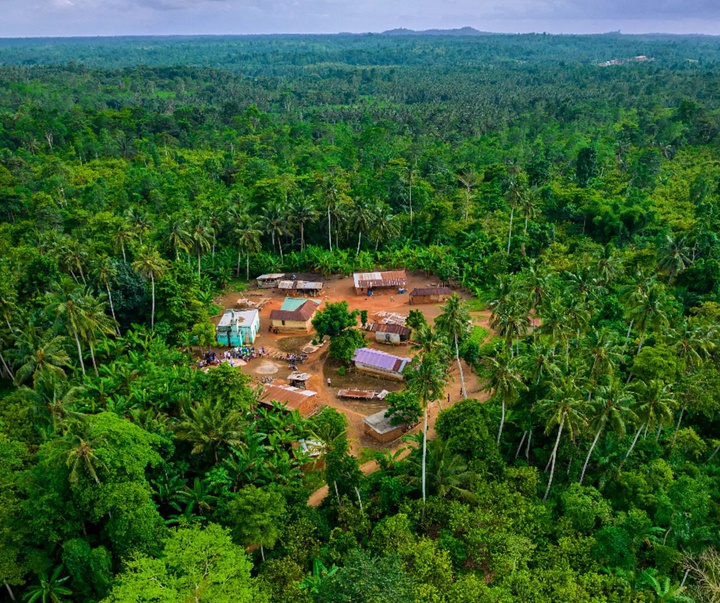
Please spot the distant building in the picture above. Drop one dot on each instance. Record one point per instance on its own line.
(380, 363)
(379, 282)
(293, 287)
(391, 333)
(296, 314)
(430, 295)
(378, 427)
(269, 281)
(291, 398)
(238, 328)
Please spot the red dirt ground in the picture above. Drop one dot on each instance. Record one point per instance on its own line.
(341, 289)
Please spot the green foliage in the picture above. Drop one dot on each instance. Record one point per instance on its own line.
(334, 319)
(342, 347)
(403, 408)
(256, 516)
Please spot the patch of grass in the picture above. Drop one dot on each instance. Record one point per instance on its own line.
(478, 335)
(315, 479)
(366, 455)
(236, 284)
(477, 305)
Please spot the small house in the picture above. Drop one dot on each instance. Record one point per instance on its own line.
(431, 295)
(238, 328)
(380, 363)
(391, 333)
(378, 427)
(296, 314)
(299, 380)
(269, 281)
(291, 398)
(294, 287)
(373, 283)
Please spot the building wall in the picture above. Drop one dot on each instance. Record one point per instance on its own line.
(427, 299)
(291, 325)
(384, 437)
(387, 337)
(378, 290)
(375, 371)
(267, 284)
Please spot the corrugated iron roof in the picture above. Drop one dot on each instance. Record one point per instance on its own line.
(301, 285)
(380, 422)
(381, 360)
(391, 328)
(292, 397)
(270, 277)
(303, 313)
(432, 291)
(389, 278)
(243, 318)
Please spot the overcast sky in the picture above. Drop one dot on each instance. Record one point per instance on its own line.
(20, 18)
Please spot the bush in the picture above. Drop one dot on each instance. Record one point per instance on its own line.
(343, 346)
(341, 371)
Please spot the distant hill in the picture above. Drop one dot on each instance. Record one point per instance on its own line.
(463, 31)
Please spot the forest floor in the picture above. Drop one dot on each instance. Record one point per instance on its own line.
(321, 367)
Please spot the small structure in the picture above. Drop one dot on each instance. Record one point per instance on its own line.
(296, 314)
(292, 398)
(431, 295)
(379, 282)
(380, 363)
(238, 328)
(378, 427)
(293, 287)
(391, 333)
(362, 394)
(269, 281)
(299, 380)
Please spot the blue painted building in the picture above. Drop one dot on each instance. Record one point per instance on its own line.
(238, 327)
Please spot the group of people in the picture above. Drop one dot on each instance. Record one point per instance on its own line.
(245, 353)
(296, 358)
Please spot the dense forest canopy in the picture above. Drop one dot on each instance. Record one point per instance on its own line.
(580, 203)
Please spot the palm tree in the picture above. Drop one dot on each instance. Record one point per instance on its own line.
(655, 403)
(447, 472)
(514, 195)
(247, 237)
(675, 257)
(69, 308)
(504, 382)
(50, 589)
(41, 358)
(301, 211)
(427, 341)
(151, 265)
(455, 323)
(106, 273)
(611, 405)
(77, 448)
(426, 378)
(362, 219)
(562, 409)
(202, 237)
(97, 321)
(123, 237)
(274, 224)
(529, 207)
(510, 321)
(208, 427)
(180, 238)
(469, 179)
(646, 309)
(384, 224)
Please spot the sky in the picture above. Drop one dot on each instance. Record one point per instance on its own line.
(24, 18)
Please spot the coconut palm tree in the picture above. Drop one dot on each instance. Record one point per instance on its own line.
(675, 257)
(503, 380)
(208, 427)
(106, 273)
(655, 404)
(180, 238)
(275, 224)
(50, 589)
(247, 237)
(301, 211)
(455, 322)
(469, 180)
(77, 448)
(646, 309)
(426, 377)
(514, 194)
(362, 220)
(123, 237)
(41, 358)
(151, 265)
(202, 238)
(562, 409)
(384, 224)
(611, 406)
(70, 310)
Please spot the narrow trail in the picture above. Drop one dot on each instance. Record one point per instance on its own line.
(452, 392)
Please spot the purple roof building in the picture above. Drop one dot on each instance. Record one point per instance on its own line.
(380, 363)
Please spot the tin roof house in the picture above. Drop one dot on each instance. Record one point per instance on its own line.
(238, 328)
(391, 333)
(296, 314)
(380, 363)
(377, 282)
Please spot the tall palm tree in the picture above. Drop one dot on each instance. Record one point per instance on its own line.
(655, 404)
(448, 473)
(301, 211)
(202, 237)
(514, 195)
(426, 378)
(510, 321)
(363, 219)
(123, 237)
(70, 310)
(503, 380)
(612, 405)
(96, 322)
(529, 208)
(563, 409)
(675, 257)
(384, 224)
(428, 341)
(180, 238)
(646, 310)
(275, 224)
(469, 179)
(106, 273)
(42, 358)
(455, 323)
(151, 265)
(78, 447)
(247, 236)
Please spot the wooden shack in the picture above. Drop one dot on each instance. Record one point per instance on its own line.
(295, 315)
(269, 281)
(430, 295)
(298, 287)
(291, 398)
(391, 333)
(379, 428)
(373, 283)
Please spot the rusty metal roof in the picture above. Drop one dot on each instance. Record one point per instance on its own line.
(431, 291)
(370, 280)
(302, 314)
(292, 397)
(391, 328)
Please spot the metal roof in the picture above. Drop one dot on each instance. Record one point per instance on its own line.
(381, 360)
(270, 277)
(292, 397)
(243, 318)
(301, 285)
(302, 314)
(296, 376)
(432, 291)
(392, 328)
(369, 280)
(380, 423)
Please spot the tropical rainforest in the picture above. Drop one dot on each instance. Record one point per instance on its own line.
(578, 202)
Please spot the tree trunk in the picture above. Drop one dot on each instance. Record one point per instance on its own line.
(198, 263)
(627, 337)
(635, 439)
(357, 253)
(262, 553)
(112, 308)
(10, 592)
(527, 448)
(152, 310)
(8, 370)
(554, 457)
(424, 452)
(462, 376)
(247, 267)
(237, 268)
(677, 427)
(79, 349)
(512, 214)
(712, 456)
(122, 246)
(589, 454)
(522, 441)
(502, 422)
(92, 355)
(329, 230)
(302, 236)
